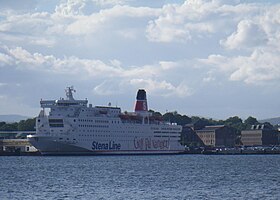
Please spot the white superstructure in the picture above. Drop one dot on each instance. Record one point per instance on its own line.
(74, 127)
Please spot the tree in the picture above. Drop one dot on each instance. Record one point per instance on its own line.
(268, 125)
(186, 120)
(233, 120)
(27, 125)
(169, 117)
(236, 123)
(195, 119)
(250, 121)
(23, 125)
(155, 114)
(2, 124)
(9, 127)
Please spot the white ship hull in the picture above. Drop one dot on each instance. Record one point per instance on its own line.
(139, 145)
(73, 128)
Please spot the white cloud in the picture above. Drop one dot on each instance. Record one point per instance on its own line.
(23, 59)
(162, 88)
(43, 42)
(71, 7)
(86, 69)
(89, 24)
(30, 23)
(109, 87)
(248, 35)
(182, 22)
(261, 67)
(197, 19)
(109, 2)
(5, 59)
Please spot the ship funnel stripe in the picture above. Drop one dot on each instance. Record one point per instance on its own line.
(141, 101)
(141, 95)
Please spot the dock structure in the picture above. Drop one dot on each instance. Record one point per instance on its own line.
(15, 142)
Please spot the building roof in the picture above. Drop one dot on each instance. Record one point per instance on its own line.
(261, 127)
(211, 128)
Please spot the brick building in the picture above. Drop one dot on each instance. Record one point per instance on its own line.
(217, 136)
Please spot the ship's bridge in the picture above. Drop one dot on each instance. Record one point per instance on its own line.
(62, 102)
(69, 101)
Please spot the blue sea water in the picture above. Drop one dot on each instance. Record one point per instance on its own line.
(141, 177)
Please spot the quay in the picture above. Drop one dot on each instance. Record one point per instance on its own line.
(15, 143)
(235, 151)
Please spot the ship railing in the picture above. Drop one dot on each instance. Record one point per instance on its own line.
(47, 103)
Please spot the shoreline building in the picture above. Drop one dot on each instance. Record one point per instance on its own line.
(260, 135)
(15, 141)
(189, 136)
(217, 136)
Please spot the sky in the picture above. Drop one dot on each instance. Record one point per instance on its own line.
(214, 59)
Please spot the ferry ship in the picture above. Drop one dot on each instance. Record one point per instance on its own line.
(74, 127)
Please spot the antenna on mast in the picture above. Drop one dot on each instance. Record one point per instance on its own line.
(69, 92)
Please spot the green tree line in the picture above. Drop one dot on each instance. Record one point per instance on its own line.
(23, 125)
(235, 122)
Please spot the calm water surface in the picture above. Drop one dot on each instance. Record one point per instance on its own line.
(141, 177)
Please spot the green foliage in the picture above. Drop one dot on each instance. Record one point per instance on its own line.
(174, 117)
(195, 119)
(8, 127)
(2, 124)
(236, 123)
(250, 121)
(27, 125)
(23, 125)
(233, 121)
(155, 114)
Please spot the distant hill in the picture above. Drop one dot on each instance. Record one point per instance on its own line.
(12, 118)
(273, 121)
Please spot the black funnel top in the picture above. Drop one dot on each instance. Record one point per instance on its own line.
(141, 95)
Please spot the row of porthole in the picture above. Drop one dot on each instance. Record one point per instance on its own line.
(91, 130)
(96, 126)
(118, 136)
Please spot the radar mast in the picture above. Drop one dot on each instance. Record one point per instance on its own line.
(69, 93)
